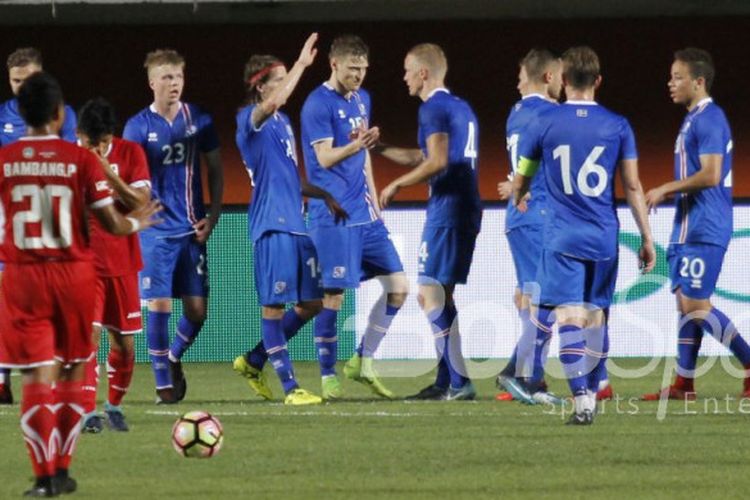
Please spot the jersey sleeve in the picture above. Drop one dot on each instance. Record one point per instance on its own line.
(68, 129)
(95, 185)
(134, 132)
(530, 142)
(628, 150)
(709, 136)
(433, 119)
(139, 175)
(316, 120)
(208, 139)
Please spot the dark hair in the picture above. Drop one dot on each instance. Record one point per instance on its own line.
(348, 45)
(96, 119)
(580, 67)
(700, 63)
(39, 98)
(253, 67)
(536, 62)
(23, 57)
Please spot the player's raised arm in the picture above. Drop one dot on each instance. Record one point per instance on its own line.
(637, 202)
(281, 88)
(328, 155)
(408, 157)
(435, 162)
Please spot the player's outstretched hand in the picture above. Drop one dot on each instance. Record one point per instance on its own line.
(647, 255)
(339, 214)
(369, 138)
(203, 229)
(387, 194)
(653, 198)
(145, 214)
(308, 52)
(505, 190)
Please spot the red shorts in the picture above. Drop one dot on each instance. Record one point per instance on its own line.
(46, 313)
(118, 305)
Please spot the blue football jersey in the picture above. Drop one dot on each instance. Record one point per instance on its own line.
(269, 155)
(580, 145)
(704, 216)
(327, 114)
(524, 113)
(12, 126)
(173, 156)
(454, 196)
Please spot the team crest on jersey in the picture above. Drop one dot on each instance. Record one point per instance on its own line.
(339, 272)
(279, 287)
(342, 113)
(153, 137)
(8, 128)
(582, 113)
(28, 152)
(146, 283)
(102, 186)
(191, 130)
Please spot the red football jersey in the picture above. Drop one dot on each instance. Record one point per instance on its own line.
(45, 186)
(120, 255)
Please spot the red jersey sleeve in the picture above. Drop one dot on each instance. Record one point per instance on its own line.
(95, 185)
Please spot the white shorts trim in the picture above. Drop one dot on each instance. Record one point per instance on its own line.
(29, 366)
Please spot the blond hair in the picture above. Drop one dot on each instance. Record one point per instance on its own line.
(433, 57)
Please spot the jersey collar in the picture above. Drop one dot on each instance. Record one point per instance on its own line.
(39, 137)
(439, 89)
(535, 94)
(152, 108)
(582, 103)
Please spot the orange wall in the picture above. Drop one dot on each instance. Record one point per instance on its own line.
(483, 56)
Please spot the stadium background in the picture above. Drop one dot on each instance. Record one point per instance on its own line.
(98, 50)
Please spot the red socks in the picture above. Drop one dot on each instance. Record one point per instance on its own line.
(90, 383)
(69, 398)
(120, 373)
(38, 422)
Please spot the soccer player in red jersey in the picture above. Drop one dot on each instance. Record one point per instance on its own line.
(49, 283)
(117, 260)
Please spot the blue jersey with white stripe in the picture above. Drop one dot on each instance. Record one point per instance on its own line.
(580, 145)
(524, 113)
(706, 215)
(454, 196)
(268, 152)
(173, 152)
(12, 126)
(327, 114)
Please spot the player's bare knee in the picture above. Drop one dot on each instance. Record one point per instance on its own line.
(396, 299)
(308, 309)
(160, 305)
(333, 299)
(273, 312)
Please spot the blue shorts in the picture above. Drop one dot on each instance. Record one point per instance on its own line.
(173, 267)
(694, 268)
(286, 269)
(445, 255)
(566, 280)
(526, 248)
(349, 255)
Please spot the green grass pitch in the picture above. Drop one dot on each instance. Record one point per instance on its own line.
(366, 448)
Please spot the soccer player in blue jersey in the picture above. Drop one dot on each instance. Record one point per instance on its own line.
(174, 135)
(447, 161)
(21, 64)
(540, 84)
(286, 264)
(580, 145)
(703, 219)
(336, 136)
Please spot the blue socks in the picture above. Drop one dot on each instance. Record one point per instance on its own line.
(727, 335)
(573, 358)
(451, 368)
(689, 338)
(275, 344)
(541, 329)
(157, 337)
(291, 323)
(326, 341)
(597, 350)
(379, 322)
(187, 331)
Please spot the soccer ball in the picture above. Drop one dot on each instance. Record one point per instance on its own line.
(197, 434)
